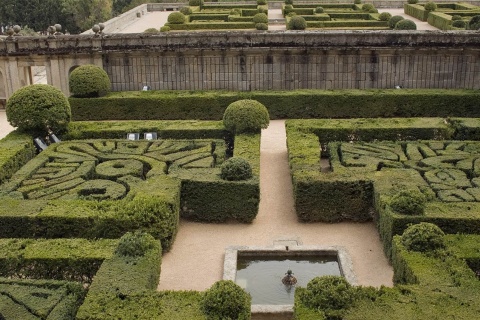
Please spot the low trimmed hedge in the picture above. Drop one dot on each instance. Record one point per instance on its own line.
(417, 11)
(348, 24)
(15, 150)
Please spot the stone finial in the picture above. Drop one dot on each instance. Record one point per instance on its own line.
(10, 33)
(58, 29)
(102, 26)
(17, 29)
(51, 32)
(96, 29)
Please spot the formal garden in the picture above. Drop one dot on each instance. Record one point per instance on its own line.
(85, 221)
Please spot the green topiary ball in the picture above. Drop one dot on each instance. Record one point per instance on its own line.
(456, 17)
(405, 24)
(236, 169)
(384, 16)
(165, 29)
(330, 294)
(412, 1)
(246, 116)
(288, 6)
(260, 18)
(393, 21)
(459, 24)
(319, 10)
(186, 10)
(89, 81)
(226, 300)
(37, 108)
(288, 1)
(135, 244)
(411, 202)
(423, 237)
(297, 23)
(151, 30)
(261, 2)
(195, 3)
(430, 6)
(176, 18)
(474, 23)
(357, 1)
(261, 26)
(367, 7)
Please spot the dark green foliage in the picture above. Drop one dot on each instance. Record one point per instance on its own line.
(164, 29)
(15, 150)
(261, 26)
(367, 7)
(186, 10)
(405, 24)
(319, 10)
(297, 23)
(410, 202)
(357, 1)
(423, 237)
(474, 23)
(151, 30)
(430, 6)
(260, 18)
(459, 24)
(135, 244)
(89, 81)
(412, 1)
(195, 3)
(288, 6)
(384, 16)
(226, 300)
(456, 17)
(236, 169)
(176, 18)
(330, 294)
(246, 116)
(394, 20)
(290, 2)
(261, 2)
(36, 108)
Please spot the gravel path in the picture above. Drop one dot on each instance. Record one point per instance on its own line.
(196, 259)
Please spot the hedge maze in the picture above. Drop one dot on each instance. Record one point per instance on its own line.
(445, 16)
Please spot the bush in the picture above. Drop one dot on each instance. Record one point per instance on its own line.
(411, 202)
(246, 116)
(474, 23)
(367, 7)
(405, 24)
(393, 21)
(384, 16)
(263, 10)
(357, 1)
(412, 1)
(89, 81)
(430, 6)
(288, 6)
(186, 11)
(151, 30)
(288, 1)
(226, 300)
(456, 17)
(423, 237)
(176, 18)
(135, 244)
(319, 10)
(459, 24)
(195, 3)
(164, 29)
(235, 169)
(261, 26)
(260, 18)
(37, 108)
(297, 23)
(373, 10)
(261, 2)
(331, 294)
(235, 12)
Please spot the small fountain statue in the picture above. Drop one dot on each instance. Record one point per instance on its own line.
(289, 279)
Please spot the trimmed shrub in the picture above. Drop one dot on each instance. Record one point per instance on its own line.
(195, 3)
(246, 116)
(261, 2)
(474, 23)
(288, 7)
(297, 23)
(151, 30)
(89, 81)
(357, 1)
(36, 108)
(411, 202)
(135, 244)
(176, 18)
(384, 16)
(459, 24)
(261, 26)
(260, 18)
(423, 237)
(235, 169)
(288, 1)
(165, 29)
(456, 17)
(393, 21)
(367, 7)
(331, 294)
(405, 24)
(412, 1)
(319, 10)
(430, 6)
(263, 10)
(186, 10)
(226, 300)
(373, 10)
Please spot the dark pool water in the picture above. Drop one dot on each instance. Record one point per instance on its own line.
(262, 276)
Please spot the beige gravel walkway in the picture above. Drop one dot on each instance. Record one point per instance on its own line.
(5, 127)
(196, 259)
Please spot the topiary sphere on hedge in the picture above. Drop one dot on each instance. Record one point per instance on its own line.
(260, 18)
(384, 16)
(186, 10)
(164, 29)
(195, 3)
(405, 24)
(151, 30)
(135, 244)
(89, 81)
(411, 202)
(430, 6)
(261, 26)
(412, 1)
(474, 23)
(176, 18)
(226, 300)
(459, 24)
(393, 21)
(367, 7)
(357, 1)
(37, 108)
(456, 17)
(261, 2)
(328, 293)
(246, 116)
(423, 237)
(236, 169)
(297, 23)
(319, 10)
(288, 1)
